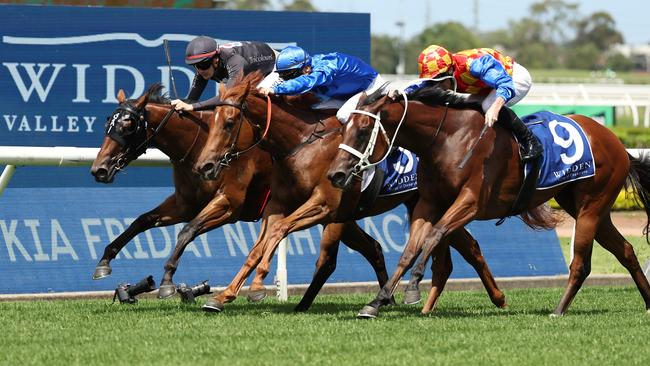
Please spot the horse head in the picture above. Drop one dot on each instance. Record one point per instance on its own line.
(360, 148)
(229, 137)
(125, 132)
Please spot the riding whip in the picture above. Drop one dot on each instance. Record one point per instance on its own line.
(169, 64)
(471, 150)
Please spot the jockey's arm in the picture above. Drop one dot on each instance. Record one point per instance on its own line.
(490, 71)
(493, 74)
(304, 83)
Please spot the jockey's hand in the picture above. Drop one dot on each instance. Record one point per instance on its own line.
(393, 94)
(266, 91)
(492, 114)
(179, 105)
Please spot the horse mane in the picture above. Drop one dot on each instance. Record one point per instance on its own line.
(242, 84)
(434, 95)
(156, 94)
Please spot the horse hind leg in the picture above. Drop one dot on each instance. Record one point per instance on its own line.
(441, 268)
(469, 248)
(612, 240)
(585, 229)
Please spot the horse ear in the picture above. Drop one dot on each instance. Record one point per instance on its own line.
(362, 100)
(142, 101)
(121, 97)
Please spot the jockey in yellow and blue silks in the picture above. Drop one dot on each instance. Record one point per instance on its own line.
(334, 77)
(484, 71)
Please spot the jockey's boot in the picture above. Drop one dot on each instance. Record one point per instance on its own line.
(531, 147)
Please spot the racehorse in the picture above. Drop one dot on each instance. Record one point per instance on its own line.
(302, 145)
(238, 193)
(486, 187)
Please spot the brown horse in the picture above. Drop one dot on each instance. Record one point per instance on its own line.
(302, 146)
(488, 185)
(237, 194)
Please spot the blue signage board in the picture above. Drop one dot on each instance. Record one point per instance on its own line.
(51, 240)
(61, 67)
(59, 78)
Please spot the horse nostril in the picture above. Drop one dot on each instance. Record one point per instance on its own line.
(99, 173)
(337, 179)
(206, 168)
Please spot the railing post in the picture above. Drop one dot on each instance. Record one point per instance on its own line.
(7, 173)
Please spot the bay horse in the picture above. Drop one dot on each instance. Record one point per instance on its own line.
(237, 194)
(302, 145)
(487, 186)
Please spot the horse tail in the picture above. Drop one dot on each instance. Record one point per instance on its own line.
(639, 181)
(541, 217)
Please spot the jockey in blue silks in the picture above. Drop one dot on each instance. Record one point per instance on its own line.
(336, 78)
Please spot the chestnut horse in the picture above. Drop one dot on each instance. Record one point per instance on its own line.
(238, 193)
(302, 146)
(487, 186)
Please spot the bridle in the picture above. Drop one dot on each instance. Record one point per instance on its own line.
(133, 137)
(364, 158)
(364, 162)
(231, 154)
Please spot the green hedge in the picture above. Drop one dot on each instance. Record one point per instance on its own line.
(622, 203)
(633, 137)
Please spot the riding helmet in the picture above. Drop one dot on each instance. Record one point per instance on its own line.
(201, 48)
(433, 61)
(292, 57)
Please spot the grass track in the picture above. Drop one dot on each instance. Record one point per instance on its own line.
(604, 326)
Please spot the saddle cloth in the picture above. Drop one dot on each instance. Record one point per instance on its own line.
(567, 152)
(400, 173)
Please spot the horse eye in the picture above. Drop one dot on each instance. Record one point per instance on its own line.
(230, 123)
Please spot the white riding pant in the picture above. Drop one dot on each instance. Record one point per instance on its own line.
(351, 104)
(522, 81)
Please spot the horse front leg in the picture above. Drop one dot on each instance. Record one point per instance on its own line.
(461, 212)
(420, 225)
(312, 212)
(214, 214)
(167, 213)
(229, 294)
(325, 265)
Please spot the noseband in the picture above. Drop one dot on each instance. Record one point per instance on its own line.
(364, 162)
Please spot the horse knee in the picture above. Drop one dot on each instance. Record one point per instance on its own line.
(187, 234)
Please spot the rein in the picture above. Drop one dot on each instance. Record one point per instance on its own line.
(364, 162)
(229, 156)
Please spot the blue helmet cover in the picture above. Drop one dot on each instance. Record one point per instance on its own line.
(292, 57)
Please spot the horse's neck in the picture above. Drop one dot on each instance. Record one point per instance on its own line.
(424, 126)
(178, 135)
(287, 127)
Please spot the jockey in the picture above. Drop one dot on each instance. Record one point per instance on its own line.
(222, 64)
(487, 72)
(333, 77)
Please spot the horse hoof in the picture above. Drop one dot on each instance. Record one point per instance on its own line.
(102, 272)
(256, 296)
(166, 291)
(554, 315)
(412, 297)
(368, 312)
(213, 306)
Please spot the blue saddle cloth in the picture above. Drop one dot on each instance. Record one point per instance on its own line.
(567, 152)
(401, 175)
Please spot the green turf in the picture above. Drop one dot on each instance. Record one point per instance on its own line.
(604, 326)
(604, 262)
